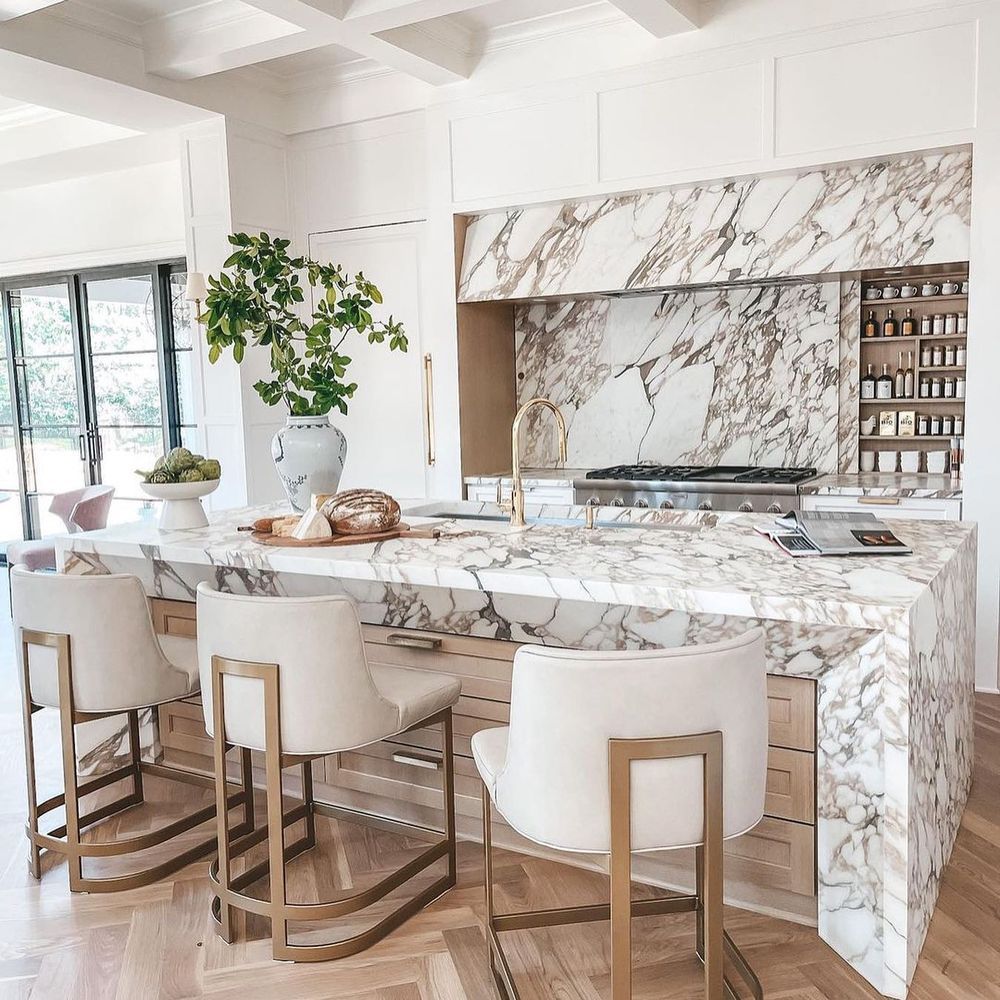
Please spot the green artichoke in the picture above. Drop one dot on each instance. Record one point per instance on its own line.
(178, 459)
(160, 476)
(191, 476)
(210, 468)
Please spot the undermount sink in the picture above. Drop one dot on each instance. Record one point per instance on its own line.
(568, 522)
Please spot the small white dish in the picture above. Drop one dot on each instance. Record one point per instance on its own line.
(182, 507)
(887, 461)
(909, 461)
(867, 461)
(936, 462)
(868, 425)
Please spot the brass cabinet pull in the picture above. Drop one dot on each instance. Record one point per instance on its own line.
(414, 641)
(880, 501)
(415, 760)
(429, 408)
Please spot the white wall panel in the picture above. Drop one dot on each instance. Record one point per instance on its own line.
(705, 120)
(258, 184)
(524, 150)
(891, 87)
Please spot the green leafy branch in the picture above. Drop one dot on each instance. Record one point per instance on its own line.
(254, 304)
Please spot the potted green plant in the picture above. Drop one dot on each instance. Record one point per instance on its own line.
(258, 301)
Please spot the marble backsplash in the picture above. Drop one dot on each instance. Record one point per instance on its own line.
(744, 375)
(909, 210)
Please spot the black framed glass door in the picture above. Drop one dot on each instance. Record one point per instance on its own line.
(93, 372)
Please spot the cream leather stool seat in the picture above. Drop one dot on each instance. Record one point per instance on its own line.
(87, 647)
(617, 753)
(289, 677)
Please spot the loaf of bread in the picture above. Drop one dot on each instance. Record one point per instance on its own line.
(360, 512)
(284, 526)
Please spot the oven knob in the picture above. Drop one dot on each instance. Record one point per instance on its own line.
(746, 507)
(666, 505)
(593, 502)
(642, 503)
(617, 502)
(705, 505)
(774, 508)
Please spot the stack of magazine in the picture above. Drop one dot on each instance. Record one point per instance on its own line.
(834, 533)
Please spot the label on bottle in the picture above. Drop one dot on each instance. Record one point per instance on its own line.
(883, 390)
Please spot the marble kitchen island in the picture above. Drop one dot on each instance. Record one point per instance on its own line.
(888, 643)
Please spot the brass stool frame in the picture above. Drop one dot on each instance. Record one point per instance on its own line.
(65, 839)
(713, 943)
(228, 888)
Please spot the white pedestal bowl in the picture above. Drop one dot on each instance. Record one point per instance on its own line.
(182, 507)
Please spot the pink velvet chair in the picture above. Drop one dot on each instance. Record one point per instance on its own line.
(85, 509)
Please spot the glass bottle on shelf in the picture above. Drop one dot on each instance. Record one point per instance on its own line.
(899, 383)
(908, 377)
(889, 325)
(870, 328)
(925, 326)
(925, 356)
(908, 327)
(868, 384)
(960, 355)
(883, 384)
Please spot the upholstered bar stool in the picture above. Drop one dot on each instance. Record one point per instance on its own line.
(621, 752)
(289, 677)
(87, 647)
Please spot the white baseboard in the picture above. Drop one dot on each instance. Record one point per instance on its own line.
(986, 690)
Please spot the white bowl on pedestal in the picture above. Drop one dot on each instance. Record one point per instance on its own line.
(182, 507)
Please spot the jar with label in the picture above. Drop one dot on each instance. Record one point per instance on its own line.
(925, 388)
(937, 389)
(960, 387)
(961, 353)
(963, 323)
(935, 425)
(937, 356)
(937, 327)
(951, 323)
(949, 388)
(947, 425)
(923, 425)
(959, 424)
(925, 356)
(925, 326)
(949, 355)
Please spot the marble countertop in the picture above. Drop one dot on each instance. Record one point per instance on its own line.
(531, 477)
(690, 561)
(901, 484)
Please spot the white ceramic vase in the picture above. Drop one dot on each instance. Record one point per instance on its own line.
(309, 455)
(182, 509)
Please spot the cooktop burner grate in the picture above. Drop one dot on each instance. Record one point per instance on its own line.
(695, 473)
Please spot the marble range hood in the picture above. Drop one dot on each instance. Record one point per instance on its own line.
(909, 210)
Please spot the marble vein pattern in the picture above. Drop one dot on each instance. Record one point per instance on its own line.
(885, 484)
(888, 641)
(743, 375)
(913, 209)
(850, 375)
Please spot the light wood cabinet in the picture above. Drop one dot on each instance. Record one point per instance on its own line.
(402, 776)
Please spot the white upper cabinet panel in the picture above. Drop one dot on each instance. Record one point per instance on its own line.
(917, 84)
(258, 184)
(705, 120)
(524, 150)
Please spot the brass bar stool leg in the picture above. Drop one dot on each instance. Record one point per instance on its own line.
(34, 851)
(246, 774)
(135, 748)
(225, 925)
(275, 818)
(66, 715)
(714, 941)
(699, 890)
(448, 757)
(621, 872)
(307, 798)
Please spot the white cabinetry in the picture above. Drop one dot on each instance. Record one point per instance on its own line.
(385, 425)
(532, 494)
(898, 508)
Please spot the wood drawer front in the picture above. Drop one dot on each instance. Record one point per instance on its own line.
(791, 712)
(776, 854)
(182, 727)
(174, 617)
(791, 785)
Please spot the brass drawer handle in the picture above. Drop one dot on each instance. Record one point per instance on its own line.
(416, 761)
(413, 641)
(880, 501)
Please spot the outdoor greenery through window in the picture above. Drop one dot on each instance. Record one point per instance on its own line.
(100, 368)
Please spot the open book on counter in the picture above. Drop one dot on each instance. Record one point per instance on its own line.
(834, 533)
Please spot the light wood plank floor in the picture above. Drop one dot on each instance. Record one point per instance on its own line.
(158, 943)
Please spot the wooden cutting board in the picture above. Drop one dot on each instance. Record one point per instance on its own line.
(400, 530)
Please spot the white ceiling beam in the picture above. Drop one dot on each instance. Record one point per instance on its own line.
(383, 15)
(662, 17)
(177, 48)
(9, 9)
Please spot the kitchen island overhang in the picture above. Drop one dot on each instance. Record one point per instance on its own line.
(888, 640)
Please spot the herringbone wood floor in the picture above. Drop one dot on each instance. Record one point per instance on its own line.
(159, 942)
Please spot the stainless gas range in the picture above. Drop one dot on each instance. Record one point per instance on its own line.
(690, 487)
